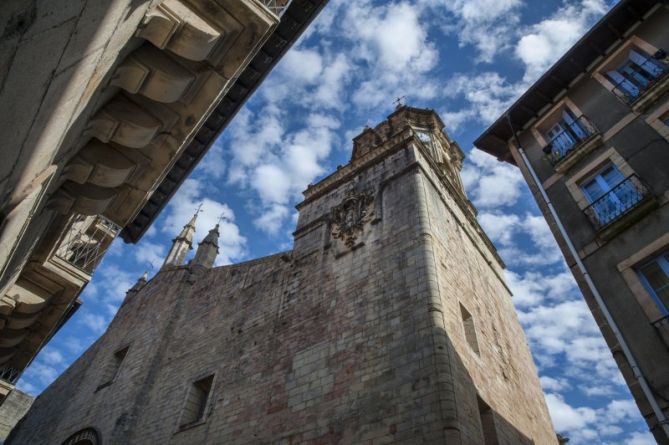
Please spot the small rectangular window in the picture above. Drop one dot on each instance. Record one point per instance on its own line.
(655, 277)
(195, 408)
(112, 368)
(611, 194)
(470, 329)
(636, 74)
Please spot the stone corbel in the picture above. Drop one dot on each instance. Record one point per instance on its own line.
(86, 199)
(30, 300)
(21, 322)
(99, 164)
(7, 305)
(12, 337)
(153, 74)
(6, 354)
(124, 123)
(177, 28)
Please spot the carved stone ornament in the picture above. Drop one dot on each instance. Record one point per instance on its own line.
(349, 217)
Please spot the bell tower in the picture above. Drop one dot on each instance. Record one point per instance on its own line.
(401, 239)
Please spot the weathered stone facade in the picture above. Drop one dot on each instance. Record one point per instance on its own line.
(106, 108)
(389, 322)
(15, 407)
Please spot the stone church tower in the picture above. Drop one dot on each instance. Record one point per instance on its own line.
(388, 322)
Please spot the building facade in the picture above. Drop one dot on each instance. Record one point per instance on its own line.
(591, 137)
(15, 407)
(106, 107)
(388, 322)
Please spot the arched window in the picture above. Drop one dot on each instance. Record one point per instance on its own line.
(87, 436)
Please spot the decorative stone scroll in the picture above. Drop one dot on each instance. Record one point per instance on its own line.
(349, 217)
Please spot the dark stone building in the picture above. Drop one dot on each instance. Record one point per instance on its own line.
(591, 138)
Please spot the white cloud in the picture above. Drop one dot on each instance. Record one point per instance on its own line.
(392, 44)
(453, 120)
(272, 219)
(40, 373)
(567, 418)
(545, 42)
(331, 88)
(213, 163)
(285, 167)
(95, 322)
(488, 25)
(487, 94)
(51, 356)
(232, 245)
(500, 227)
(640, 438)
(303, 65)
(491, 183)
(74, 344)
(395, 35)
(554, 384)
(533, 288)
(586, 425)
(150, 254)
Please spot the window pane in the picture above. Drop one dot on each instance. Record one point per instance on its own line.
(593, 190)
(663, 295)
(655, 275)
(612, 176)
(658, 279)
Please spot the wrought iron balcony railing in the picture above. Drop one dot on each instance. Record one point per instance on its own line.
(631, 89)
(9, 374)
(278, 7)
(570, 139)
(617, 202)
(86, 241)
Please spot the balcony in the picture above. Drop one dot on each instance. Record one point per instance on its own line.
(577, 139)
(620, 207)
(278, 7)
(642, 90)
(8, 378)
(86, 241)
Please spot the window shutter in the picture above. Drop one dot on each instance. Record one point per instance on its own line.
(623, 84)
(646, 63)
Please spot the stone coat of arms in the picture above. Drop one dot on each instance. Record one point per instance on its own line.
(350, 216)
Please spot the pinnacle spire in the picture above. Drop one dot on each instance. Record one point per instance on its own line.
(182, 243)
(207, 250)
(141, 282)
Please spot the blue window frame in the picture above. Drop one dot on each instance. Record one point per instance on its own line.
(609, 193)
(655, 277)
(636, 73)
(566, 133)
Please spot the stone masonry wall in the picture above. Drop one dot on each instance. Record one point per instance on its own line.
(14, 407)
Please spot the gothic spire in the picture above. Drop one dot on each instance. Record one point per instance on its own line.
(207, 249)
(141, 282)
(182, 244)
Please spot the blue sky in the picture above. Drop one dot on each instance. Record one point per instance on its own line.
(467, 59)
